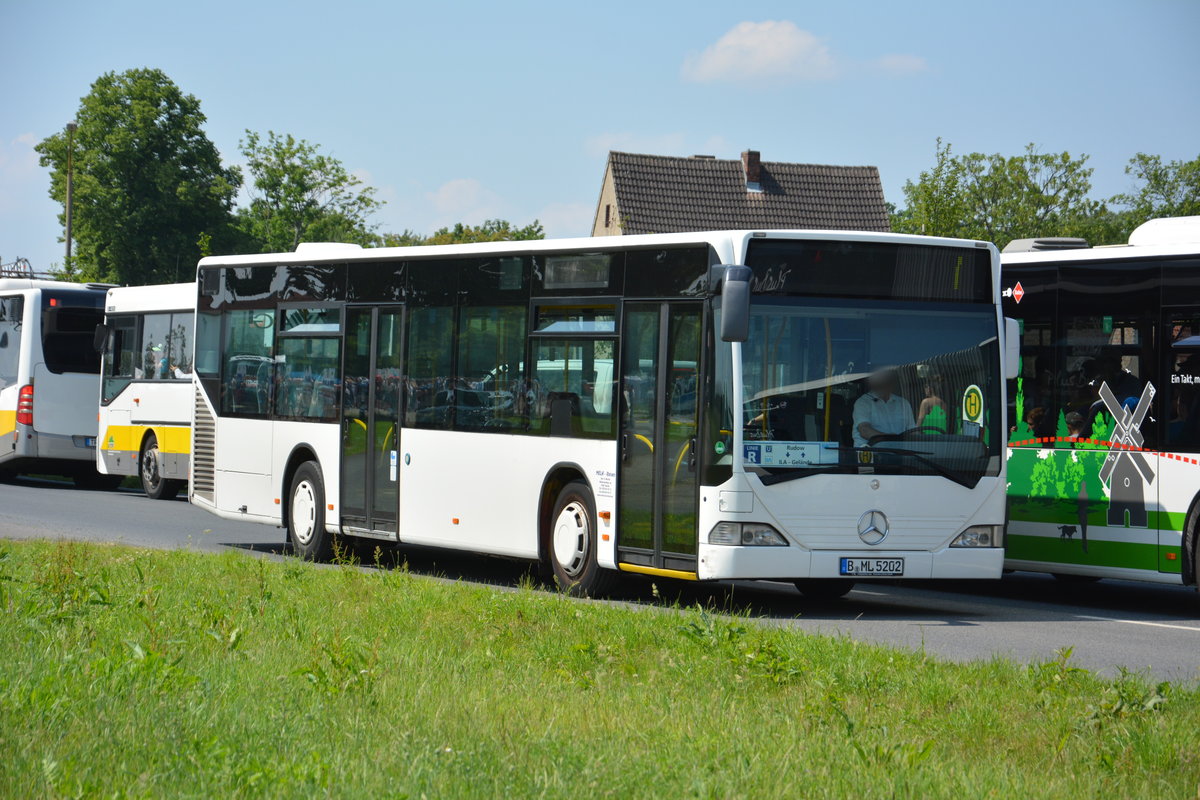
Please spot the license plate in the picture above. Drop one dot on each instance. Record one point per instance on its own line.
(872, 567)
(89, 441)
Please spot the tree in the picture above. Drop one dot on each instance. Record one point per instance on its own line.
(998, 198)
(1167, 190)
(492, 230)
(148, 183)
(301, 195)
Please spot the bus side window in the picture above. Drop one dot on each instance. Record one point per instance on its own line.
(11, 309)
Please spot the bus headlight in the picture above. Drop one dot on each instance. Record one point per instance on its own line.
(755, 534)
(979, 536)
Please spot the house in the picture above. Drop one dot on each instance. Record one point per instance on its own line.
(668, 194)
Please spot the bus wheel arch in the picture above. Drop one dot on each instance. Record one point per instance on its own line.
(568, 535)
(1191, 544)
(162, 488)
(299, 455)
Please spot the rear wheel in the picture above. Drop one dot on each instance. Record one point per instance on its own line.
(306, 514)
(824, 588)
(572, 545)
(154, 484)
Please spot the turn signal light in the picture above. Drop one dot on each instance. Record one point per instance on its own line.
(25, 405)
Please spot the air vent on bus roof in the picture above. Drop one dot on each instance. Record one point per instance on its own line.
(1166, 230)
(1048, 243)
(319, 249)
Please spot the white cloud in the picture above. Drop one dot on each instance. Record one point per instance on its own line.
(463, 200)
(562, 220)
(902, 64)
(772, 50)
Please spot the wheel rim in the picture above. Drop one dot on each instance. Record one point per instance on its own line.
(572, 532)
(151, 475)
(304, 512)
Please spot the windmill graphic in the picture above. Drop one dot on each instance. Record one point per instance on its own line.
(1126, 471)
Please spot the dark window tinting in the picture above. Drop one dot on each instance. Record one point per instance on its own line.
(69, 323)
(11, 323)
(870, 270)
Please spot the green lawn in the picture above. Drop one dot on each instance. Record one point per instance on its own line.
(134, 673)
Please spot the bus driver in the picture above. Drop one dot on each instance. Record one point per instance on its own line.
(881, 411)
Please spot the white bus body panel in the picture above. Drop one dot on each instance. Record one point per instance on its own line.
(491, 484)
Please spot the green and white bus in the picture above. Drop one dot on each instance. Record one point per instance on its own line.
(1104, 444)
(693, 406)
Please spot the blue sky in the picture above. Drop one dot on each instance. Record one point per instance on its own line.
(462, 111)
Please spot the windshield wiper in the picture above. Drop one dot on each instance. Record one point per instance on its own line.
(770, 479)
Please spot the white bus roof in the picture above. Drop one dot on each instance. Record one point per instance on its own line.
(156, 297)
(19, 284)
(1157, 238)
(318, 252)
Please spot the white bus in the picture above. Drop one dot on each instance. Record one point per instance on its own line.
(1104, 447)
(48, 376)
(466, 397)
(146, 391)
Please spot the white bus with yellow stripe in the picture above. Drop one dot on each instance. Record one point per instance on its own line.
(48, 376)
(146, 392)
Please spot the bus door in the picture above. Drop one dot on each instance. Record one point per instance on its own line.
(372, 384)
(658, 479)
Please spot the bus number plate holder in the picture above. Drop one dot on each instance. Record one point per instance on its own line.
(871, 567)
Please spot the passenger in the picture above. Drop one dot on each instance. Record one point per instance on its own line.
(932, 411)
(881, 411)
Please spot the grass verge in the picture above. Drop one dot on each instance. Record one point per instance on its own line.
(135, 673)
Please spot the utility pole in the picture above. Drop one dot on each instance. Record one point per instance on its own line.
(70, 187)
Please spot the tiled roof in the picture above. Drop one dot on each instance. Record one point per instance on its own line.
(666, 194)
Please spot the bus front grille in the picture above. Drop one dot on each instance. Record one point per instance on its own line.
(204, 431)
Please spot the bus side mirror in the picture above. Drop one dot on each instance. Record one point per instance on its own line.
(1012, 348)
(100, 337)
(735, 304)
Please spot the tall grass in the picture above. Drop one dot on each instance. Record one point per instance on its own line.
(142, 674)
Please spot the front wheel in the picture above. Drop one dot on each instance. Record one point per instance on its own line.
(824, 588)
(306, 514)
(154, 484)
(573, 538)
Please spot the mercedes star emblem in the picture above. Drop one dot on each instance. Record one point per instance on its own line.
(873, 527)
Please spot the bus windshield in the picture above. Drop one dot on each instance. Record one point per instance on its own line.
(870, 386)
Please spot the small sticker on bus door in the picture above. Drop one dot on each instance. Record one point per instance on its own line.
(392, 467)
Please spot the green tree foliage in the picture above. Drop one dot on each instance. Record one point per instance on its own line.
(492, 230)
(148, 183)
(998, 198)
(300, 195)
(1167, 190)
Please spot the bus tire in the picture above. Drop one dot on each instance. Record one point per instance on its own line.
(824, 588)
(572, 543)
(306, 514)
(154, 484)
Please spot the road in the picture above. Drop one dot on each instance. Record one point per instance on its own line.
(1109, 624)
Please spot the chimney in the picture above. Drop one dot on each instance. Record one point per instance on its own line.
(752, 167)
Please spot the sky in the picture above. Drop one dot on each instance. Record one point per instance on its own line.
(461, 111)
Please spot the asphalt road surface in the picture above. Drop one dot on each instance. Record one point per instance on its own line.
(1027, 617)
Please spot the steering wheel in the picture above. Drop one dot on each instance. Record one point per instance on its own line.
(899, 437)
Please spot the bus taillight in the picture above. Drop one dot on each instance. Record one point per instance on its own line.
(25, 405)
